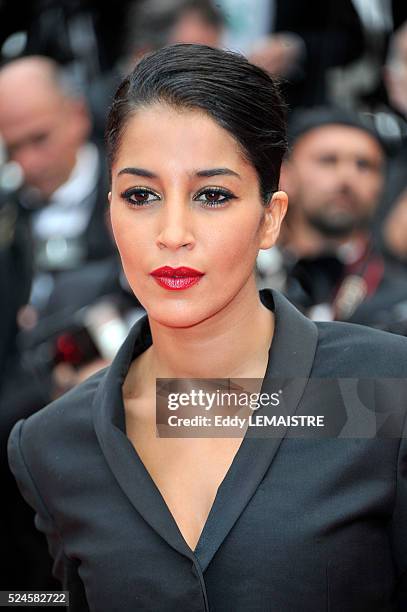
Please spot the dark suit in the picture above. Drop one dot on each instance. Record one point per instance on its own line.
(313, 281)
(92, 242)
(99, 241)
(298, 525)
(332, 36)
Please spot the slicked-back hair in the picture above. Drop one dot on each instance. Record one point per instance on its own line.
(241, 97)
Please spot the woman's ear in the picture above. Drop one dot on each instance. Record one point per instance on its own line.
(274, 214)
(109, 197)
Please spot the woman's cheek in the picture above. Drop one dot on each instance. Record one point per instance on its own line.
(128, 238)
(127, 246)
(239, 241)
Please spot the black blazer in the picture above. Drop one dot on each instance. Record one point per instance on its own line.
(298, 525)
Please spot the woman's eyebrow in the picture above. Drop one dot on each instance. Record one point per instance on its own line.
(217, 172)
(206, 173)
(137, 172)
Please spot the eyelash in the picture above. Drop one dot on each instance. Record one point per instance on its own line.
(126, 195)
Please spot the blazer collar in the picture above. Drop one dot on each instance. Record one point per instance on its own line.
(291, 356)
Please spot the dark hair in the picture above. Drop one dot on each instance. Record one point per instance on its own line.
(241, 97)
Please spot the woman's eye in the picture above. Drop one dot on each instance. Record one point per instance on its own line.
(139, 197)
(213, 198)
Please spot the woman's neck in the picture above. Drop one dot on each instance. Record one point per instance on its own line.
(232, 344)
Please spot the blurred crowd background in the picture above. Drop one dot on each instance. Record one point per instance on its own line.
(65, 303)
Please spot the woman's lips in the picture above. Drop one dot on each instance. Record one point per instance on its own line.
(176, 279)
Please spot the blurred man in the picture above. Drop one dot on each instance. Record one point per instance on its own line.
(155, 23)
(334, 178)
(45, 127)
(149, 25)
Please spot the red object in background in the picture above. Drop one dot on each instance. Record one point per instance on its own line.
(68, 350)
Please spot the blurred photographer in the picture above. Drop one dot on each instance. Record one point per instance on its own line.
(334, 178)
(45, 126)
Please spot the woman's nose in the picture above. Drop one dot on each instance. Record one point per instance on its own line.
(175, 226)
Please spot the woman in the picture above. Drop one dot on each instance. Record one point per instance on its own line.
(277, 523)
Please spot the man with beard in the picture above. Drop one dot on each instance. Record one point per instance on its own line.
(334, 178)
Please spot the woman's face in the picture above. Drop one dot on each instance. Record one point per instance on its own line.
(183, 196)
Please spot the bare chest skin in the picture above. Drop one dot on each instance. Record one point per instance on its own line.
(186, 471)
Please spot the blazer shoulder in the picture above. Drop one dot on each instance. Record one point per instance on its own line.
(44, 449)
(51, 430)
(72, 408)
(352, 350)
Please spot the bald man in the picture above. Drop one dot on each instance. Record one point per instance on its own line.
(42, 125)
(45, 127)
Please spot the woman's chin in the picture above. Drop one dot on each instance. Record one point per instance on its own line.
(179, 316)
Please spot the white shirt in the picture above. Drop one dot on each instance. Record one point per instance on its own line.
(69, 210)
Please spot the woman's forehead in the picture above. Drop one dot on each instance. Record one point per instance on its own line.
(161, 135)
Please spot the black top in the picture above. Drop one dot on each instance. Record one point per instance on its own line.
(301, 525)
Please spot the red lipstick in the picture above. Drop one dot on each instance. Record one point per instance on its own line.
(176, 279)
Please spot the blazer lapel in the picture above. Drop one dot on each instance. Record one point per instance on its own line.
(289, 365)
(122, 458)
(291, 357)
